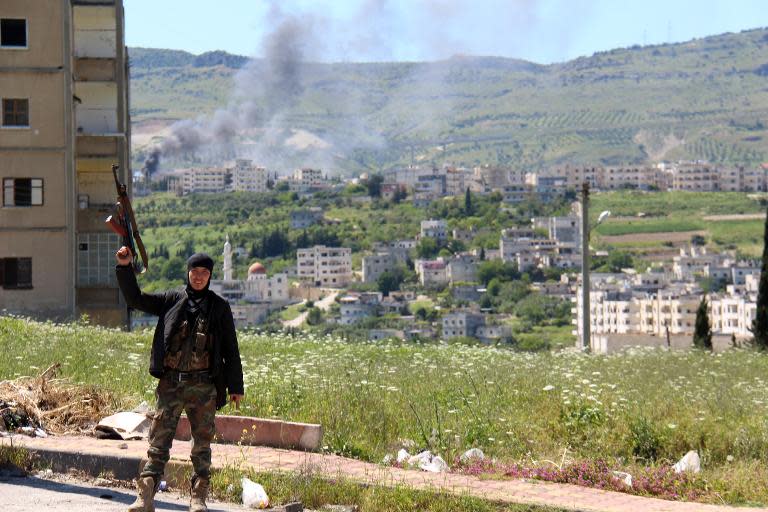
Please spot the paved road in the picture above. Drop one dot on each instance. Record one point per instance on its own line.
(323, 304)
(65, 494)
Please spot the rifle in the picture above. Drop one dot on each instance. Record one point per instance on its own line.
(123, 222)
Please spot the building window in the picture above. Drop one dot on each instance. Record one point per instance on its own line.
(96, 260)
(22, 192)
(13, 33)
(16, 112)
(16, 273)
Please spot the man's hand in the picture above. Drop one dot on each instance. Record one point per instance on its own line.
(236, 399)
(124, 256)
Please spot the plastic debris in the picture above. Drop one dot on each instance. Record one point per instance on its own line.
(472, 453)
(689, 462)
(436, 465)
(403, 456)
(254, 495)
(163, 486)
(624, 477)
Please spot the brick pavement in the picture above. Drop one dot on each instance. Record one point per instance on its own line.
(273, 459)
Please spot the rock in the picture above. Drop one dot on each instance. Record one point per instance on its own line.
(124, 446)
(102, 482)
(473, 453)
(40, 433)
(387, 460)
(436, 465)
(403, 454)
(689, 462)
(624, 477)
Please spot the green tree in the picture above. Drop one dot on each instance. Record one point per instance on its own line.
(314, 316)
(702, 334)
(427, 248)
(373, 184)
(760, 323)
(389, 281)
(468, 202)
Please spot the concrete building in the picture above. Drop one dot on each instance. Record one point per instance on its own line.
(357, 306)
(437, 229)
(462, 268)
(65, 121)
(432, 273)
(246, 177)
(461, 323)
(376, 264)
(306, 179)
(325, 266)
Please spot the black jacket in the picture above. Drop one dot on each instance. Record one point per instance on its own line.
(226, 367)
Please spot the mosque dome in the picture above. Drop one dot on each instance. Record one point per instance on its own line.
(256, 268)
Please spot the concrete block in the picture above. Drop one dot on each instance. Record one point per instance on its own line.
(262, 432)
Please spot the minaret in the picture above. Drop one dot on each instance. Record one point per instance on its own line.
(227, 260)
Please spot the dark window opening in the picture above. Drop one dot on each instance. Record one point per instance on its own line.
(16, 273)
(15, 112)
(13, 32)
(22, 192)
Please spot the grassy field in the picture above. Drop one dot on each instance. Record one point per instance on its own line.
(642, 409)
(642, 213)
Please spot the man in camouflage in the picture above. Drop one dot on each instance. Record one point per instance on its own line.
(196, 358)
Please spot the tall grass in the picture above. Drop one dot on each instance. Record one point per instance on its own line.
(643, 407)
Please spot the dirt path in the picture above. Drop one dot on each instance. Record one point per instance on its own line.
(323, 304)
(664, 236)
(736, 216)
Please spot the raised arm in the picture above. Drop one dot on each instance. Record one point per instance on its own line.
(154, 304)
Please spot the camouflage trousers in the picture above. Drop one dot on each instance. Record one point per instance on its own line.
(198, 400)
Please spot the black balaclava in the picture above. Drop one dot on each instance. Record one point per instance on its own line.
(196, 298)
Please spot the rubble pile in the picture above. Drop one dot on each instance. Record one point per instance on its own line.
(48, 405)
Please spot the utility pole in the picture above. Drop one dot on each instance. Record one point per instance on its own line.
(585, 319)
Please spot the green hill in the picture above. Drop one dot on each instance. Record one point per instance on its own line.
(702, 99)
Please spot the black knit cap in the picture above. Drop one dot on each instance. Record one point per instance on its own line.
(200, 259)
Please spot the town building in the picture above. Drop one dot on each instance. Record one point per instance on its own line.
(253, 298)
(306, 179)
(325, 266)
(461, 323)
(436, 229)
(65, 122)
(376, 264)
(357, 306)
(432, 273)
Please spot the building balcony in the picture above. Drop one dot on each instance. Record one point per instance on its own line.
(91, 69)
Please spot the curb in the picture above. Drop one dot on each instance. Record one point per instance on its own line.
(260, 432)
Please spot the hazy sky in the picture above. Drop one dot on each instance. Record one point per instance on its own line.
(542, 31)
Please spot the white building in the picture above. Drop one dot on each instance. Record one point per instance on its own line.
(246, 177)
(306, 179)
(437, 229)
(253, 298)
(432, 272)
(325, 266)
(376, 264)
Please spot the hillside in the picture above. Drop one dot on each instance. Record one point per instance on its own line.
(703, 99)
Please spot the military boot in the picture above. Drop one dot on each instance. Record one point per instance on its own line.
(199, 493)
(145, 499)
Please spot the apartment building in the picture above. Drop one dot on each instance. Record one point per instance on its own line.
(306, 179)
(325, 266)
(246, 177)
(437, 229)
(65, 121)
(376, 264)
